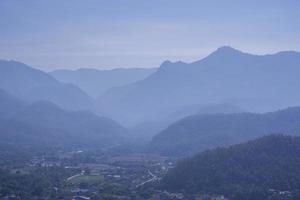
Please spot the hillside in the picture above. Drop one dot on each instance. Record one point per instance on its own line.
(44, 124)
(32, 85)
(96, 82)
(258, 170)
(201, 132)
(9, 104)
(148, 129)
(16, 135)
(77, 127)
(256, 83)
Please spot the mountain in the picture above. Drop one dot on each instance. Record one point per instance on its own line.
(224, 108)
(81, 128)
(44, 124)
(201, 132)
(184, 111)
(17, 135)
(146, 130)
(265, 168)
(257, 83)
(95, 82)
(9, 104)
(31, 85)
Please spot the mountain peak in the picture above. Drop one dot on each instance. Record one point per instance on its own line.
(226, 50)
(168, 64)
(225, 53)
(12, 63)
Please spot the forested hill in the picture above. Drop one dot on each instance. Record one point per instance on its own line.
(43, 123)
(258, 170)
(201, 132)
(30, 84)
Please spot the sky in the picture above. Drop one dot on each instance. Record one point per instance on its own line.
(70, 34)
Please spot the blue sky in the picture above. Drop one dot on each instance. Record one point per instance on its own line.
(141, 33)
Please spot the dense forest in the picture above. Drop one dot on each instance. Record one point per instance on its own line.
(33, 184)
(261, 169)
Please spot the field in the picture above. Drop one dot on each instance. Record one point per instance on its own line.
(86, 179)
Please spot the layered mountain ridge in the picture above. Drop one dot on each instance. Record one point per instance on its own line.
(31, 85)
(256, 83)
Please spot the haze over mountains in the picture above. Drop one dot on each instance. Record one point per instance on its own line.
(141, 120)
(148, 129)
(227, 81)
(95, 82)
(31, 85)
(140, 100)
(9, 104)
(201, 132)
(256, 83)
(45, 124)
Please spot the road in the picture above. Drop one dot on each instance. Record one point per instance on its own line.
(76, 175)
(154, 178)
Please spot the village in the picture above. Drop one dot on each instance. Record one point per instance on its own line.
(109, 177)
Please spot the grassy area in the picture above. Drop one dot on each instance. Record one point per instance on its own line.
(24, 170)
(87, 179)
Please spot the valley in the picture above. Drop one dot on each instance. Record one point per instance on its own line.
(50, 149)
(81, 174)
(149, 100)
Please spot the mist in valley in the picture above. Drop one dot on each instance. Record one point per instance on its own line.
(149, 101)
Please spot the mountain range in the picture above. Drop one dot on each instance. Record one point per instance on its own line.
(96, 82)
(257, 83)
(155, 100)
(43, 123)
(197, 133)
(146, 130)
(31, 85)
(9, 104)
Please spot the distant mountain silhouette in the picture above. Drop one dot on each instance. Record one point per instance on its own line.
(257, 169)
(146, 130)
(201, 132)
(9, 104)
(95, 82)
(223, 108)
(253, 82)
(18, 135)
(44, 124)
(31, 84)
